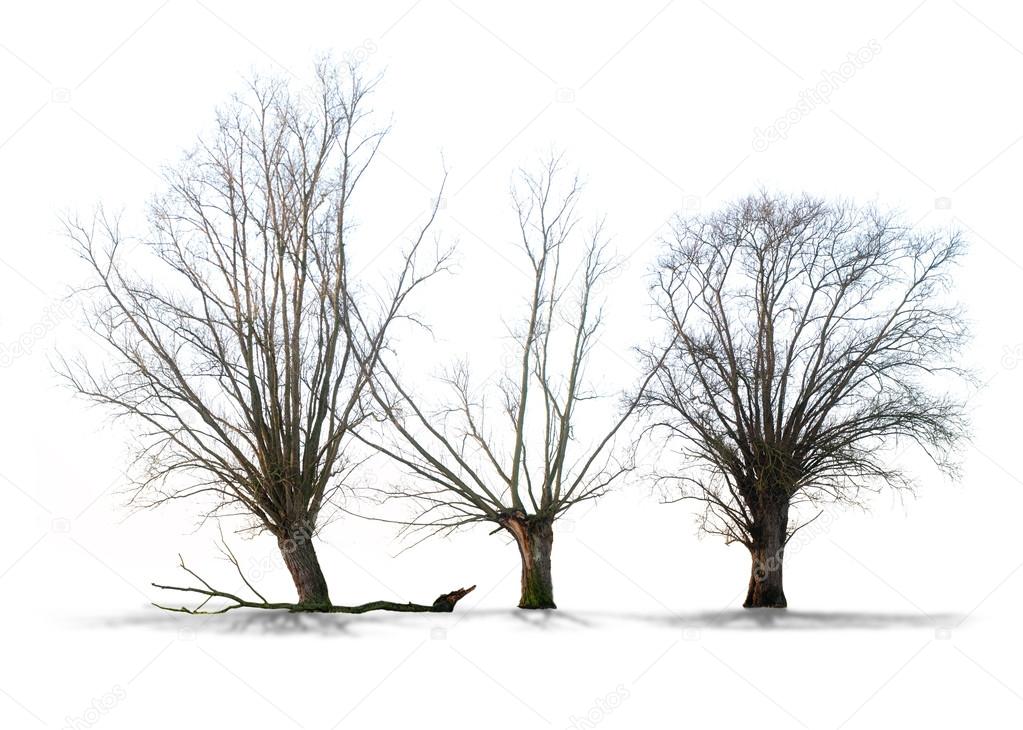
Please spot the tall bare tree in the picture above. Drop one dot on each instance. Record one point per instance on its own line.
(230, 330)
(808, 335)
(523, 461)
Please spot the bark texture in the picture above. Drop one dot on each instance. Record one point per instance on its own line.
(535, 538)
(300, 557)
(768, 550)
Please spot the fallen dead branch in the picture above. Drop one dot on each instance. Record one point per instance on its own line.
(445, 603)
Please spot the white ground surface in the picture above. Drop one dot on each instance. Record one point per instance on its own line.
(881, 634)
(906, 616)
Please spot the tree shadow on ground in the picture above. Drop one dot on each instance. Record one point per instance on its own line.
(784, 619)
(244, 621)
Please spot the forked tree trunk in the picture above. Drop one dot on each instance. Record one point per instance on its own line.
(768, 551)
(535, 538)
(300, 557)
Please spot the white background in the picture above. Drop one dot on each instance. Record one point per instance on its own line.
(903, 615)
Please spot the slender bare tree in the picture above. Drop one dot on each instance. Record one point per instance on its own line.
(230, 331)
(521, 462)
(808, 336)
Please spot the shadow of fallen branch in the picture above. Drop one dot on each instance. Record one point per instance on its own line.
(284, 622)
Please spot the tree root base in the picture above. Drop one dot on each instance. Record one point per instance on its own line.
(537, 606)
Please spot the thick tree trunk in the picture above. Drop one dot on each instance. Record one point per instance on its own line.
(300, 557)
(768, 551)
(535, 538)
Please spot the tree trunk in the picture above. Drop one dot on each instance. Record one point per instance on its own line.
(300, 557)
(767, 551)
(535, 538)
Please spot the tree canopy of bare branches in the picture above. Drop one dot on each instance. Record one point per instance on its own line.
(238, 341)
(807, 336)
(512, 455)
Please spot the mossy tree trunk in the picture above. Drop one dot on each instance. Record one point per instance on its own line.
(535, 538)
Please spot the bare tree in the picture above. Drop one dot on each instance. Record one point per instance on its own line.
(806, 337)
(233, 343)
(521, 462)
